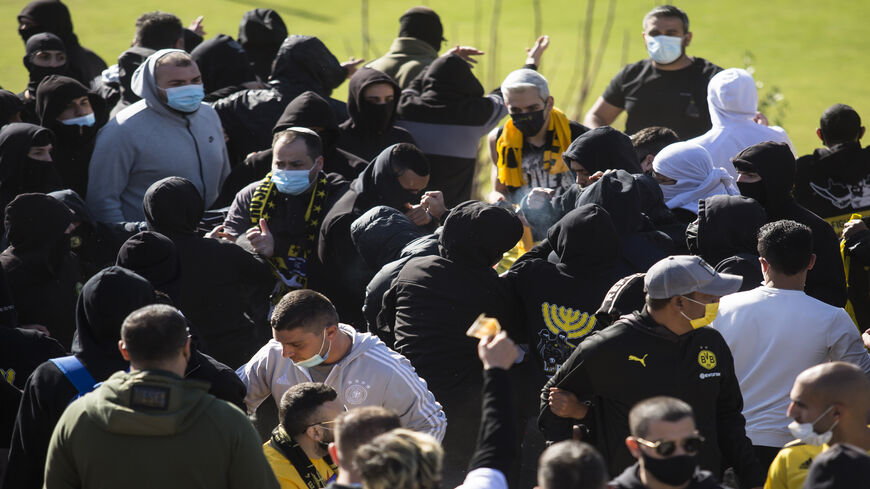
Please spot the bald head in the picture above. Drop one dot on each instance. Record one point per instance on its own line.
(837, 382)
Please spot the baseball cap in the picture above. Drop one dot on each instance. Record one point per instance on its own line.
(840, 467)
(684, 274)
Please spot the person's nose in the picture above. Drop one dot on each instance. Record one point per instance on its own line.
(288, 352)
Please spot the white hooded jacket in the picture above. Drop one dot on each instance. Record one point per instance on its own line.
(369, 375)
(733, 101)
(148, 141)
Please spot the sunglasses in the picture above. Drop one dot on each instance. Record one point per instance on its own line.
(666, 448)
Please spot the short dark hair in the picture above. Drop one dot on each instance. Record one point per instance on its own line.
(359, 426)
(840, 124)
(304, 308)
(154, 333)
(313, 143)
(571, 464)
(786, 245)
(668, 11)
(406, 156)
(661, 408)
(158, 30)
(656, 304)
(300, 403)
(651, 140)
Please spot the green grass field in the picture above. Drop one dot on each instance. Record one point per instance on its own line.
(815, 53)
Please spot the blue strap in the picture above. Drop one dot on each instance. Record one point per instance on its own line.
(77, 374)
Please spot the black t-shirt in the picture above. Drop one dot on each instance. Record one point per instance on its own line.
(673, 99)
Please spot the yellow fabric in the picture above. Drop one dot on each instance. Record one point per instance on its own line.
(286, 474)
(791, 466)
(511, 140)
(846, 264)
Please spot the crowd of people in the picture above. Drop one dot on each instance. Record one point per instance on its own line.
(216, 274)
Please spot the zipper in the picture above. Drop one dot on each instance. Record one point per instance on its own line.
(198, 157)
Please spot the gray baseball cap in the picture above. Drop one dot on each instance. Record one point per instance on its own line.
(684, 274)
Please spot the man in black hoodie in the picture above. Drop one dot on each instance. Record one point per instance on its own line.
(224, 66)
(261, 33)
(45, 54)
(222, 283)
(766, 173)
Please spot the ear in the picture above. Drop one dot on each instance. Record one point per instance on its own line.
(646, 164)
(333, 453)
(185, 350)
(812, 262)
(179, 44)
(123, 350)
(548, 106)
(677, 302)
(765, 266)
(331, 332)
(313, 433)
(631, 444)
(819, 134)
(687, 39)
(318, 166)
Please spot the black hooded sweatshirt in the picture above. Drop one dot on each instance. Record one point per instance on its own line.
(376, 185)
(833, 181)
(223, 63)
(53, 16)
(18, 172)
(128, 62)
(44, 277)
(220, 280)
(261, 33)
(370, 127)
(10, 107)
(775, 164)
(561, 294)
(303, 64)
(307, 110)
(73, 144)
(434, 299)
(726, 234)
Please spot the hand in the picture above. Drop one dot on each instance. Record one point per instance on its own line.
(261, 239)
(466, 53)
(36, 327)
(533, 54)
(866, 338)
(196, 26)
(495, 196)
(852, 227)
(497, 351)
(761, 119)
(220, 232)
(352, 65)
(418, 214)
(539, 197)
(566, 405)
(434, 203)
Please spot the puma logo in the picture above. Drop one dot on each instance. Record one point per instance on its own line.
(641, 361)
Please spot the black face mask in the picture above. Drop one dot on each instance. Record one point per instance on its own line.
(673, 471)
(33, 174)
(529, 123)
(37, 73)
(376, 117)
(754, 190)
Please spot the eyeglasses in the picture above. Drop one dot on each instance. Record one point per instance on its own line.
(666, 448)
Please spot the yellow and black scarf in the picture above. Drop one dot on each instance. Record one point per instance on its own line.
(510, 149)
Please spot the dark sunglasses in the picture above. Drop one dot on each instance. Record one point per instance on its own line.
(666, 448)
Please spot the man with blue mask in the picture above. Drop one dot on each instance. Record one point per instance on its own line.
(667, 89)
(310, 345)
(170, 132)
(279, 216)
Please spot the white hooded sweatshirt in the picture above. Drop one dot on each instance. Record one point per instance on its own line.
(148, 141)
(690, 165)
(733, 101)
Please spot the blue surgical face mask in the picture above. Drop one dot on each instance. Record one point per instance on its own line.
(316, 359)
(664, 49)
(85, 120)
(185, 98)
(292, 182)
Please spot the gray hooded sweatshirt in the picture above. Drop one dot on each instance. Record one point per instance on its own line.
(149, 141)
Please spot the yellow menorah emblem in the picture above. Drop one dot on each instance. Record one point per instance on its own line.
(560, 319)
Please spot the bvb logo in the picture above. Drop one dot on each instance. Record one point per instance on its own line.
(707, 359)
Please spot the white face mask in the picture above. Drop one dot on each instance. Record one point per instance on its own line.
(805, 432)
(316, 359)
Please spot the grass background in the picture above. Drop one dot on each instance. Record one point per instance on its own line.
(815, 53)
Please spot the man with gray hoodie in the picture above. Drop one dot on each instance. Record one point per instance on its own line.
(170, 132)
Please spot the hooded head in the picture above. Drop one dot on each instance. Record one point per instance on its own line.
(602, 148)
(106, 299)
(45, 54)
(173, 206)
(306, 61)
(54, 98)
(373, 118)
(381, 233)
(381, 181)
(424, 24)
(477, 234)
(128, 62)
(145, 85)
(732, 97)
(691, 167)
(223, 63)
(154, 257)
(449, 78)
(10, 108)
(619, 194)
(19, 172)
(37, 222)
(727, 225)
(775, 164)
(311, 111)
(47, 16)
(584, 239)
(75, 204)
(261, 33)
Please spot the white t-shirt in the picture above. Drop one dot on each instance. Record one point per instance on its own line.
(774, 335)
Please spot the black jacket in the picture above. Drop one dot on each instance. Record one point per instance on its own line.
(630, 479)
(219, 280)
(369, 128)
(22, 350)
(560, 294)
(775, 164)
(434, 299)
(833, 181)
(637, 358)
(303, 63)
(223, 63)
(261, 33)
